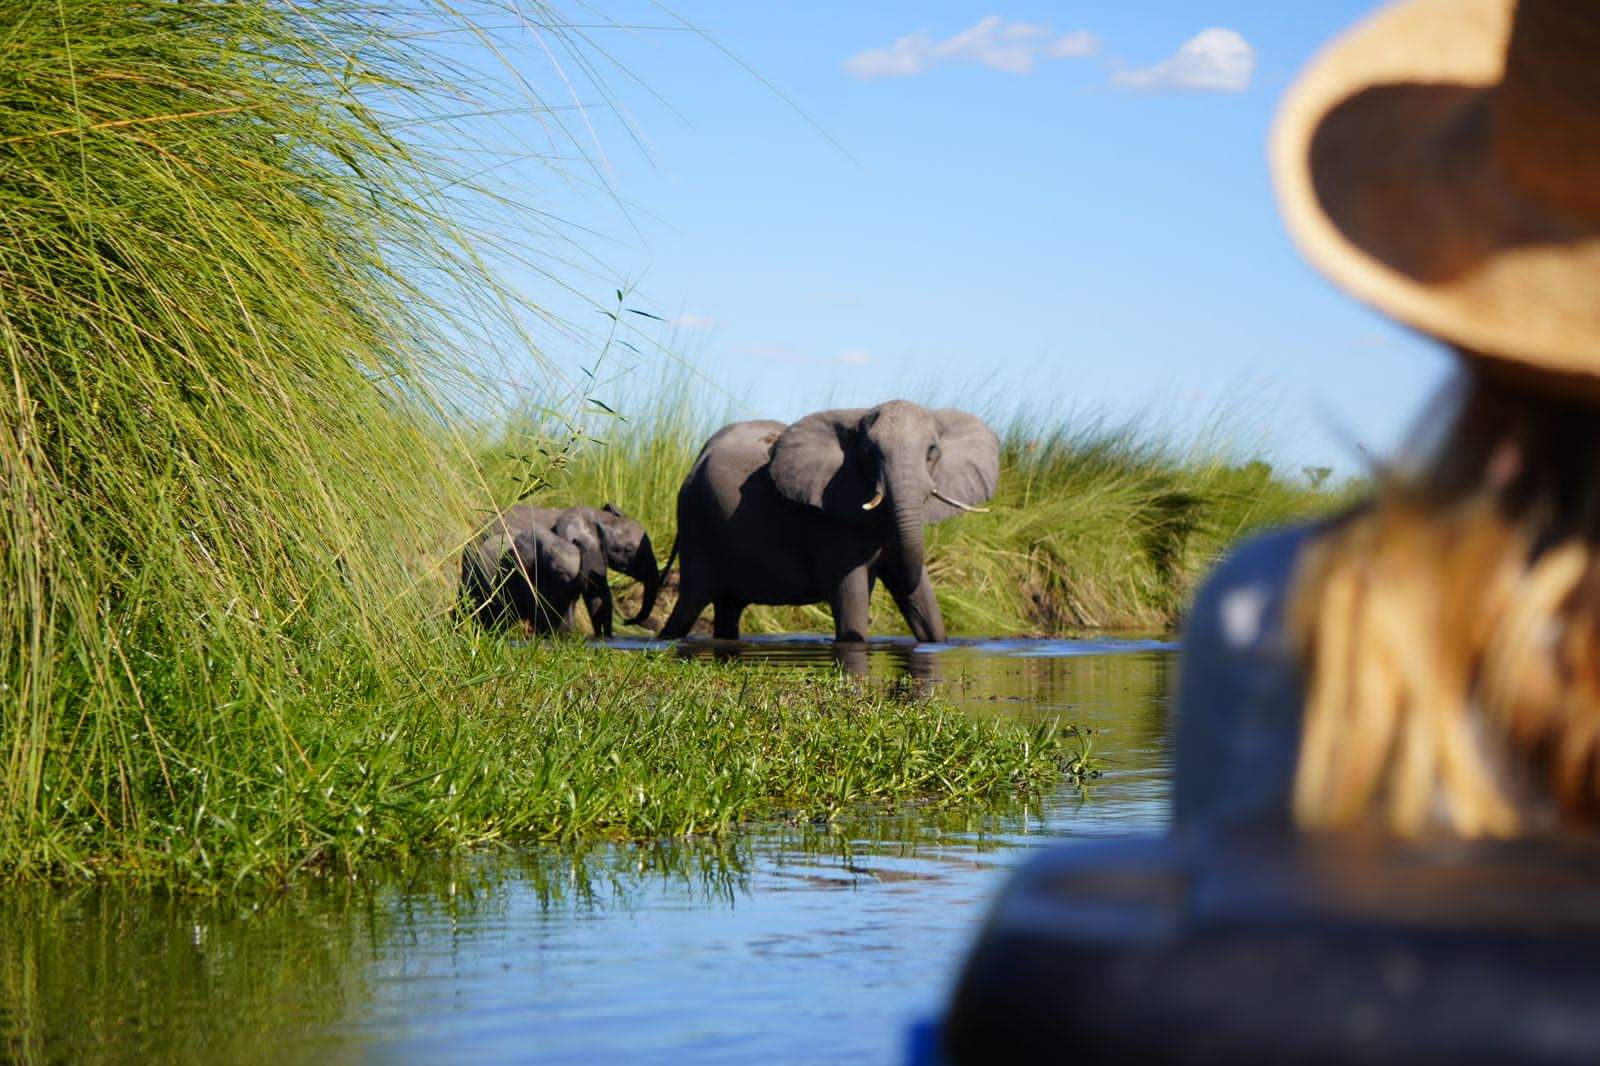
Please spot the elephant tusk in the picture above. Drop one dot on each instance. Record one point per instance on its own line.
(958, 504)
(873, 503)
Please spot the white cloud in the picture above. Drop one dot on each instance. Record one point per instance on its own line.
(855, 357)
(1011, 47)
(1074, 45)
(690, 321)
(1214, 60)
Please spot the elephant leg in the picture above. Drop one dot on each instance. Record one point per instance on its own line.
(920, 608)
(545, 618)
(692, 599)
(598, 601)
(683, 617)
(725, 619)
(851, 600)
(489, 610)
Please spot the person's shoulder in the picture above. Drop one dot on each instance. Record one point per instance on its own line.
(1265, 556)
(1243, 598)
(1240, 686)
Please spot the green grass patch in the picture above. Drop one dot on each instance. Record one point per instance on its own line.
(558, 742)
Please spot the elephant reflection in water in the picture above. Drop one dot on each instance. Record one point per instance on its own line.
(916, 673)
(820, 510)
(901, 665)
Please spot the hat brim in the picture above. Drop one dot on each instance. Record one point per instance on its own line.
(1387, 180)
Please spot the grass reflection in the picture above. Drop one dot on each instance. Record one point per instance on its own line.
(107, 972)
(329, 967)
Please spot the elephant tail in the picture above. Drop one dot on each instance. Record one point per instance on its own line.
(666, 567)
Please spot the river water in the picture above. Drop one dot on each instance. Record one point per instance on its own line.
(787, 945)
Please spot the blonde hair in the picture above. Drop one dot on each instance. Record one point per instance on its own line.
(1449, 631)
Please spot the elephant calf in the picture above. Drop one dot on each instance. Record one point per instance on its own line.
(534, 563)
(821, 509)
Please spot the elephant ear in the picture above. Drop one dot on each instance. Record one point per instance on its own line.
(814, 463)
(582, 532)
(969, 462)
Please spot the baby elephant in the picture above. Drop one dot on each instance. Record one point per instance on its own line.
(533, 564)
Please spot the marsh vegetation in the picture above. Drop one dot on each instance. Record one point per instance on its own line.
(233, 299)
(241, 445)
(1094, 526)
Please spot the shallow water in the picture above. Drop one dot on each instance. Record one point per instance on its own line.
(792, 944)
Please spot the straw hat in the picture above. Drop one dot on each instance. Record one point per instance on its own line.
(1442, 163)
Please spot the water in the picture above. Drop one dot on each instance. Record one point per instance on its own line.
(790, 945)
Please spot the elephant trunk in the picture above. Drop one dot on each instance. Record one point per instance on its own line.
(905, 572)
(646, 573)
(906, 495)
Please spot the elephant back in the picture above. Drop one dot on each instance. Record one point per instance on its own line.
(732, 455)
(522, 517)
(544, 557)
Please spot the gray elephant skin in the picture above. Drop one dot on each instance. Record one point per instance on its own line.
(820, 510)
(534, 564)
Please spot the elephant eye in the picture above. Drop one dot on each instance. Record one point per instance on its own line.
(933, 452)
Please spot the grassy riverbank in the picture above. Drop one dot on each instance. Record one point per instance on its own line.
(494, 745)
(233, 307)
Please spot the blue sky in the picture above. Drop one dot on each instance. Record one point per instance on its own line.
(1057, 207)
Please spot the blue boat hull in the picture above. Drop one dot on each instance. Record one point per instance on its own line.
(1277, 948)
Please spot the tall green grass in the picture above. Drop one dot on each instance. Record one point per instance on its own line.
(236, 312)
(1093, 527)
(1105, 527)
(225, 297)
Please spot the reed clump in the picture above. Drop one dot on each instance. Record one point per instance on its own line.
(1104, 527)
(221, 286)
(558, 743)
(232, 305)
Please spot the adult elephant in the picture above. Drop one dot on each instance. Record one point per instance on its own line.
(535, 563)
(821, 509)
